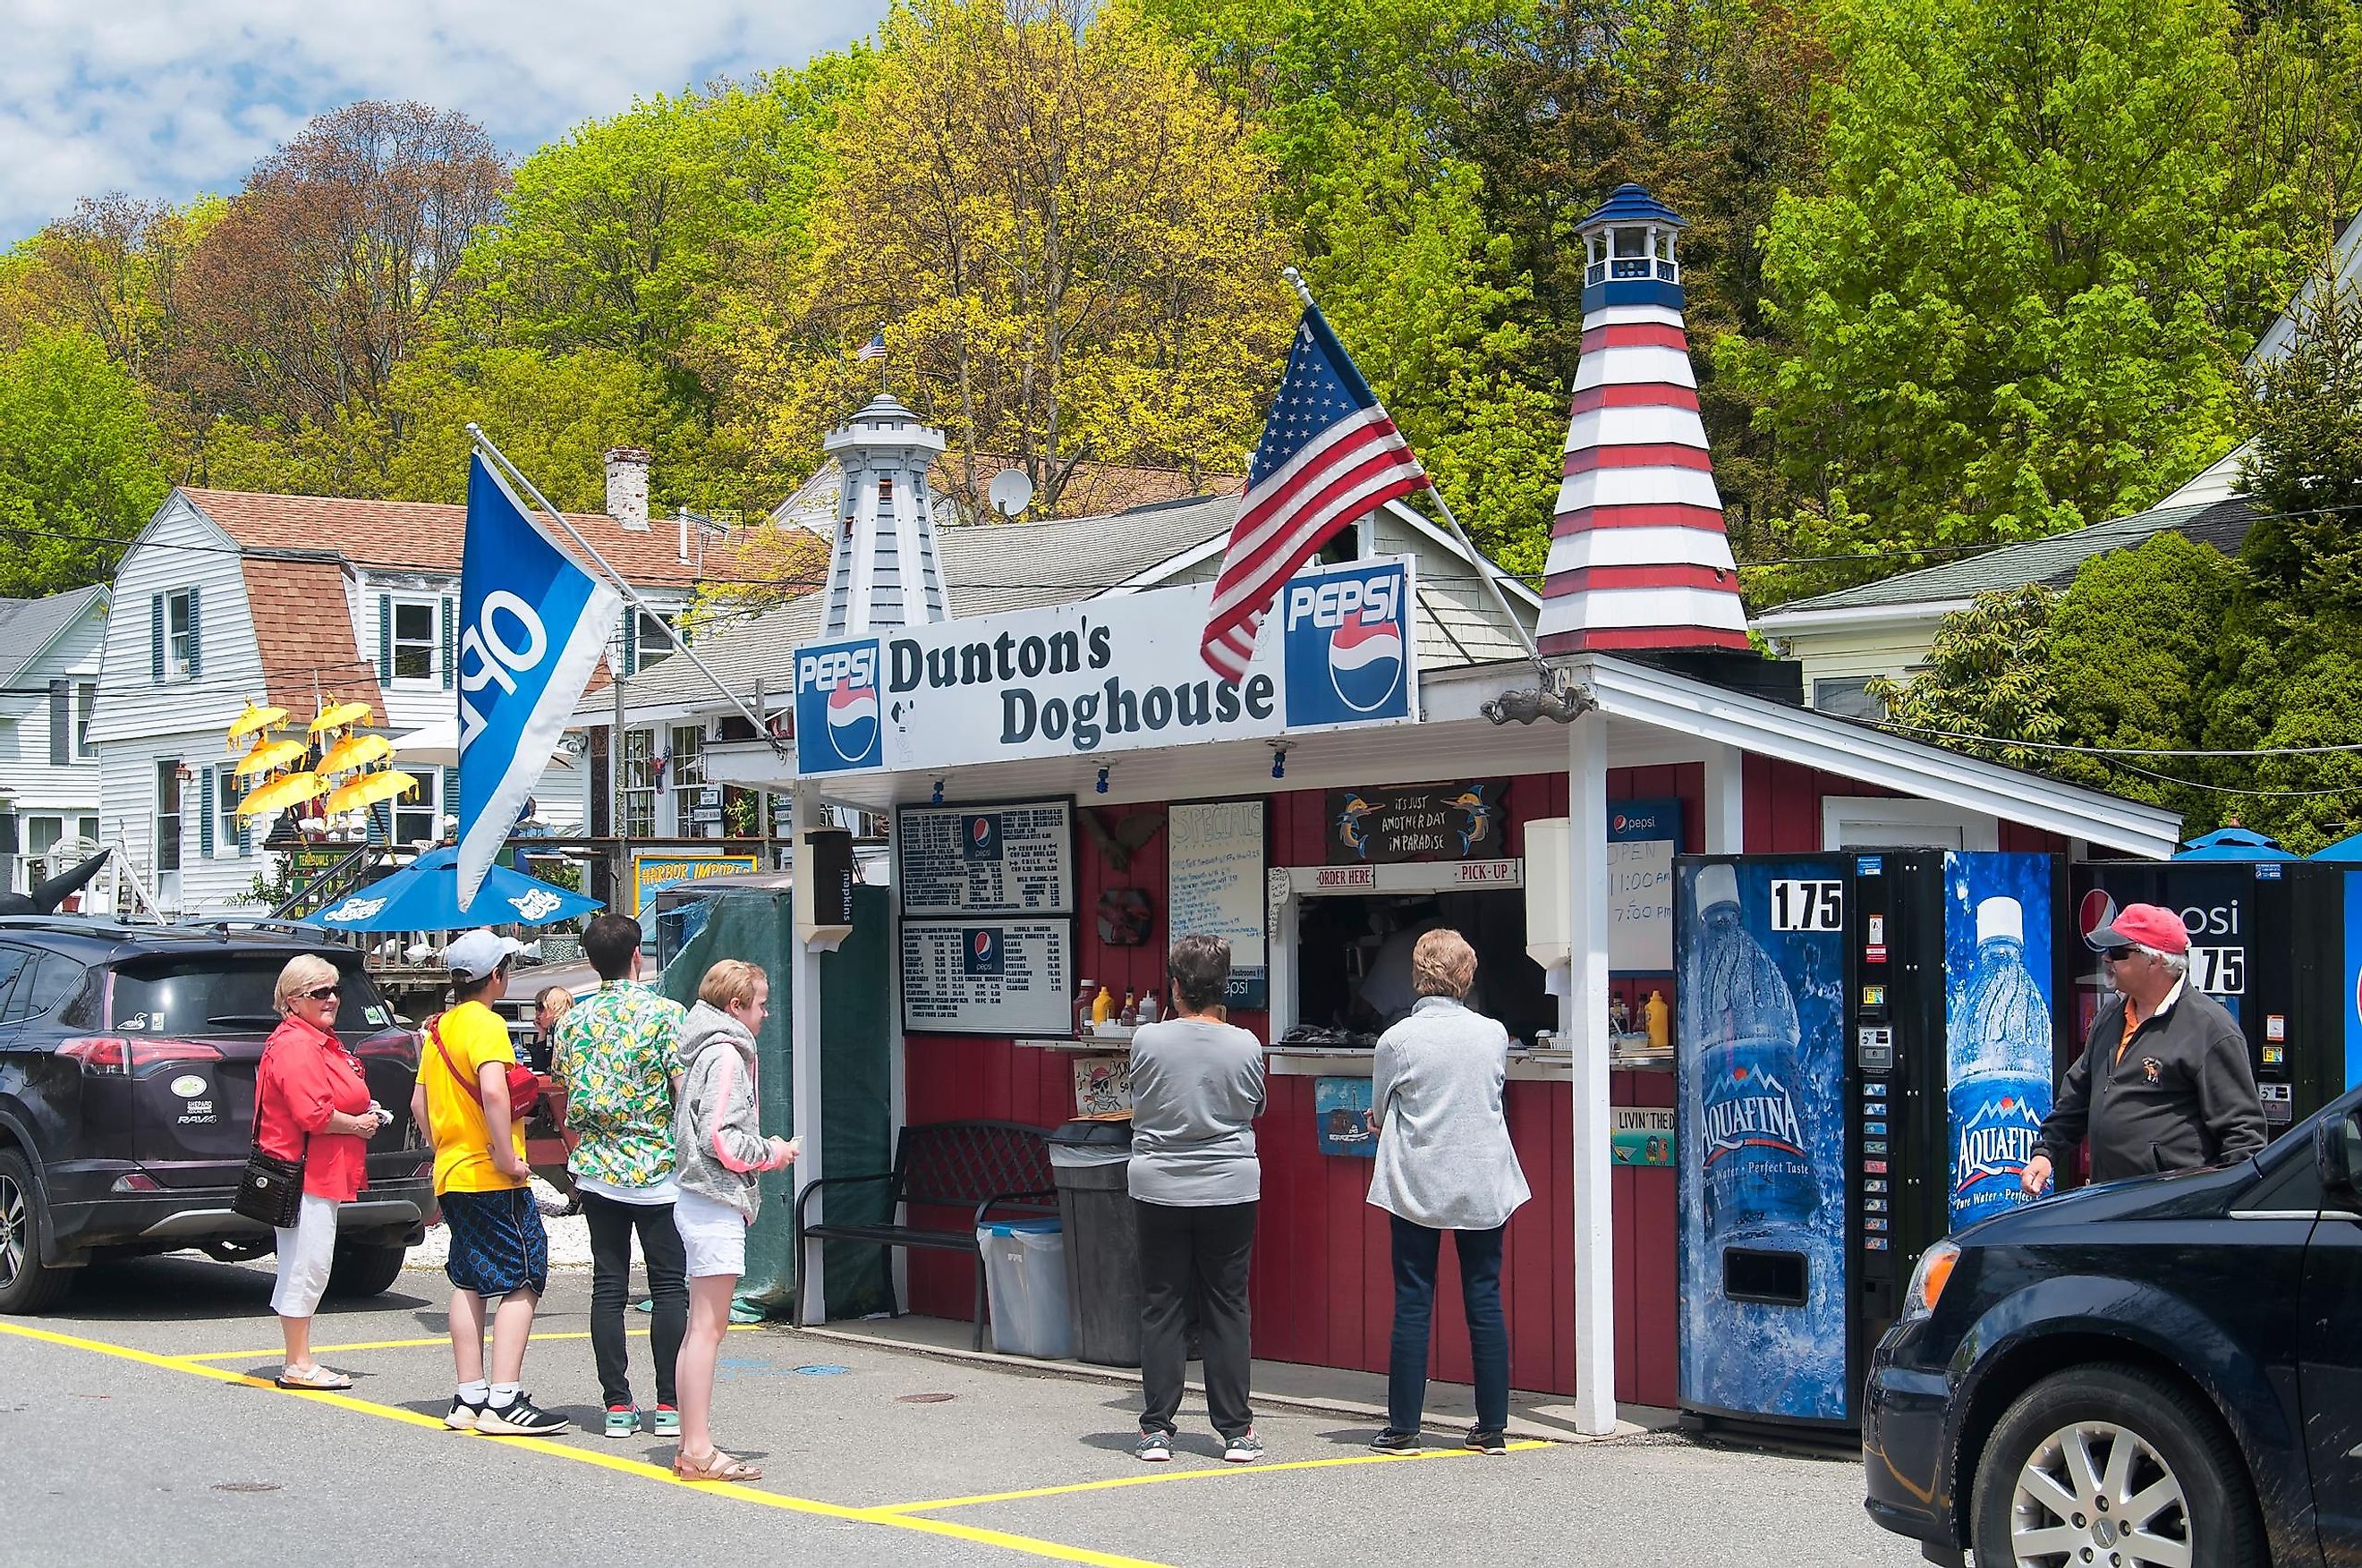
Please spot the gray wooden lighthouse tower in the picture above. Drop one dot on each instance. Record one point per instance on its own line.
(883, 569)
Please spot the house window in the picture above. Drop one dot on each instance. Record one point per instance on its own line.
(87, 828)
(1849, 697)
(180, 632)
(42, 833)
(167, 814)
(639, 784)
(86, 706)
(655, 642)
(415, 641)
(228, 791)
(418, 817)
(686, 773)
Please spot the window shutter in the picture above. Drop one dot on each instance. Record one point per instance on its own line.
(156, 636)
(196, 636)
(60, 723)
(377, 824)
(448, 664)
(245, 826)
(385, 637)
(631, 642)
(447, 803)
(205, 813)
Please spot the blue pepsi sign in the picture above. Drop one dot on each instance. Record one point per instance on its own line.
(1345, 637)
(981, 950)
(980, 837)
(837, 708)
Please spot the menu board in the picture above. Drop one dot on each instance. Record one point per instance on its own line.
(1014, 858)
(988, 977)
(1214, 888)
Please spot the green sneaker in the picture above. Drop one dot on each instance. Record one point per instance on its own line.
(623, 1421)
(668, 1422)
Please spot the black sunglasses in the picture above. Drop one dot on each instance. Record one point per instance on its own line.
(2118, 955)
(319, 994)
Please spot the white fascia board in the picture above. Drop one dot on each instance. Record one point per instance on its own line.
(1814, 740)
(1792, 622)
(1172, 565)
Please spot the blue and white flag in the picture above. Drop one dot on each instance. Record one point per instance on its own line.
(532, 625)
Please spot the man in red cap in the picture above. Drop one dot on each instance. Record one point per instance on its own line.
(2164, 1083)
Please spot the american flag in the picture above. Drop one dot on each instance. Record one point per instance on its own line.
(1329, 455)
(874, 350)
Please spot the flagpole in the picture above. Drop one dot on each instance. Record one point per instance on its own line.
(630, 594)
(1486, 569)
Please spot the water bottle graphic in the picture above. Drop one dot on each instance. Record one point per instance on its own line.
(1753, 1146)
(1999, 1047)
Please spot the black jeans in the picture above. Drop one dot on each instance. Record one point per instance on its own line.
(1207, 1247)
(612, 1224)
(1416, 1249)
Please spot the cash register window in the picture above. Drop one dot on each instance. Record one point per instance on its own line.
(1881, 822)
(1353, 959)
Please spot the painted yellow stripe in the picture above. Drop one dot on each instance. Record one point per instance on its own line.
(1057, 1552)
(1152, 1477)
(540, 1337)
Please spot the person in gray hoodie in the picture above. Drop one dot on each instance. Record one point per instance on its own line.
(719, 1151)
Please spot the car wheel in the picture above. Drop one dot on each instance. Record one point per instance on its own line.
(27, 1285)
(359, 1269)
(2113, 1466)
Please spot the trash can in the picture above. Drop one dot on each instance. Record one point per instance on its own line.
(1088, 1160)
(1025, 1287)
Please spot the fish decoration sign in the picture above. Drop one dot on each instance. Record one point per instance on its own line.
(1460, 821)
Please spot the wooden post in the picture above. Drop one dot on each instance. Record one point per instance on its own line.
(1594, 1221)
(1726, 799)
(803, 1035)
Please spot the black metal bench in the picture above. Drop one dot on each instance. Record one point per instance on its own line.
(977, 1166)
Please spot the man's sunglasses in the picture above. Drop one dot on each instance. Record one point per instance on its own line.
(2118, 955)
(318, 993)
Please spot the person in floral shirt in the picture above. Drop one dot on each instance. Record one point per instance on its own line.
(614, 1053)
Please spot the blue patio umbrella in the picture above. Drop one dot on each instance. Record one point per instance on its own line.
(2234, 844)
(2348, 849)
(424, 896)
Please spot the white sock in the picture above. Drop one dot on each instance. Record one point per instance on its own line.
(505, 1395)
(474, 1393)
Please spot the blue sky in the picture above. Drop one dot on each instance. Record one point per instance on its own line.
(168, 98)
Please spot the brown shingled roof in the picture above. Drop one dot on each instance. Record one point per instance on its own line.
(306, 636)
(419, 535)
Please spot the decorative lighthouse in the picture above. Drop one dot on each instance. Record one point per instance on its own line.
(1638, 558)
(883, 569)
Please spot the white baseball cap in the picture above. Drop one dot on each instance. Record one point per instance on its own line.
(477, 954)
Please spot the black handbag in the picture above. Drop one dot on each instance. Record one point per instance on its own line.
(271, 1190)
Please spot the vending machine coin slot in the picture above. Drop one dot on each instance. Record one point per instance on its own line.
(1874, 1048)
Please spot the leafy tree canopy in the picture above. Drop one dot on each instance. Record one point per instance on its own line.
(78, 463)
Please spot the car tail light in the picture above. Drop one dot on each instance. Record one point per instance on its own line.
(426, 1172)
(1927, 1281)
(119, 1055)
(138, 1181)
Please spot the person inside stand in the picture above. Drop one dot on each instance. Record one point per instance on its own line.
(2164, 1082)
(719, 1152)
(498, 1247)
(615, 1055)
(1445, 1164)
(312, 1104)
(550, 1010)
(1197, 1087)
(1386, 994)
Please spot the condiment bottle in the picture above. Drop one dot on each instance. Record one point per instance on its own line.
(1661, 1024)
(1083, 1007)
(1101, 1005)
(1148, 1007)
(1129, 1015)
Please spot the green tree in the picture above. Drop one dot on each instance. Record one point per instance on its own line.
(78, 463)
(2305, 472)
(1988, 680)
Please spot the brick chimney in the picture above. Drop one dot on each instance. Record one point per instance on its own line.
(628, 486)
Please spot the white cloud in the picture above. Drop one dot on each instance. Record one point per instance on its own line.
(168, 98)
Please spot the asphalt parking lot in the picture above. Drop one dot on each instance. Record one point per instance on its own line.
(139, 1425)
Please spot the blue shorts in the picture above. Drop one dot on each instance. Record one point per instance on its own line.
(497, 1242)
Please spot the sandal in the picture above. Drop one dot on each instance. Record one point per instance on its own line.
(715, 1466)
(315, 1377)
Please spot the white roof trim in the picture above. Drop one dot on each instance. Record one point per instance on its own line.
(1853, 750)
(1775, 622)
(1203, 550)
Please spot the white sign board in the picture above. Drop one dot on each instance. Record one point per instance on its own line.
(1214, 883)
(988, 977)
(1013, 857)
(1641, 906)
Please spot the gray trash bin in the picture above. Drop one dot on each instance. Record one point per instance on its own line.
(1088, 1161)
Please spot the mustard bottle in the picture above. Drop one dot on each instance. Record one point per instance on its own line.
(1661, 1024)
(1101, 1005)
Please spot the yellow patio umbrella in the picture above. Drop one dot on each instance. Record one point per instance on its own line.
(255, 720)
(341, 714)
(360, 794)
(355, 751)
(280, 794)
(266, 755)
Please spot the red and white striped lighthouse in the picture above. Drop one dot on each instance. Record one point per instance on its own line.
(1638, 558)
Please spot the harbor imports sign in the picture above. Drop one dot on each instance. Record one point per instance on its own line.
(1116, 673)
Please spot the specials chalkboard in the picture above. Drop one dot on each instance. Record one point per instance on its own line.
(1008, 858)
(1418, 822)
(988, 977)
(1214, 888)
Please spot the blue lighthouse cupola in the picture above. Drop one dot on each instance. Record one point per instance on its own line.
(1627, 252)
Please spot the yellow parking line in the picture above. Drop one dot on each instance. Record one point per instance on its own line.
(1152, 1477)
(1057, 1552)
(540, 1337)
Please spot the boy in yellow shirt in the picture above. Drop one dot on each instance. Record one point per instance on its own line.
(498, 1245)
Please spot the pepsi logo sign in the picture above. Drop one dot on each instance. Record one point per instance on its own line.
(981, 952)
(837, 706)
(1359, 625)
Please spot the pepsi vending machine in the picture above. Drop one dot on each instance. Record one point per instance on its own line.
(1866, 1044)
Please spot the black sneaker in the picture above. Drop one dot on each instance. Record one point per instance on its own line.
(1484, 1441)
(519, 1417)
(1393, 1442)
(1155, 1447)
(464, 1414)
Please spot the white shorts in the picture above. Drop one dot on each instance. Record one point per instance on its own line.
(713, 1234)
(306, 1250)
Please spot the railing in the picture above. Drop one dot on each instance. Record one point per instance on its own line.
(331, 883)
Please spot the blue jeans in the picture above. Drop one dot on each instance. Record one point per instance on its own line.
(1416, 1247)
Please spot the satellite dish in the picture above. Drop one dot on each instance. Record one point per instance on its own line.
(1010, 491)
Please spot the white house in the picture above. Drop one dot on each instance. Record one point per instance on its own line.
(50, 650)
(228, 597)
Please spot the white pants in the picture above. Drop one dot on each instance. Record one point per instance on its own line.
(306, 1250)
(713, 1236)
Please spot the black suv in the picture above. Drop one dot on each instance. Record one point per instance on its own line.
(128, 1059)
(2167, 1371)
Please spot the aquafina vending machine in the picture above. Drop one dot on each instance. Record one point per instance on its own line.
(1865, 1043)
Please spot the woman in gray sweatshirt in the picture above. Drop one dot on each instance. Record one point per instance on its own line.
(1445, 1164)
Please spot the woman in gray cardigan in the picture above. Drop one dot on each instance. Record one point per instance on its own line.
(1445, 1164)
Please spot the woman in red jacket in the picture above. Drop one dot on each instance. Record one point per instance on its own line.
(311, 1104)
